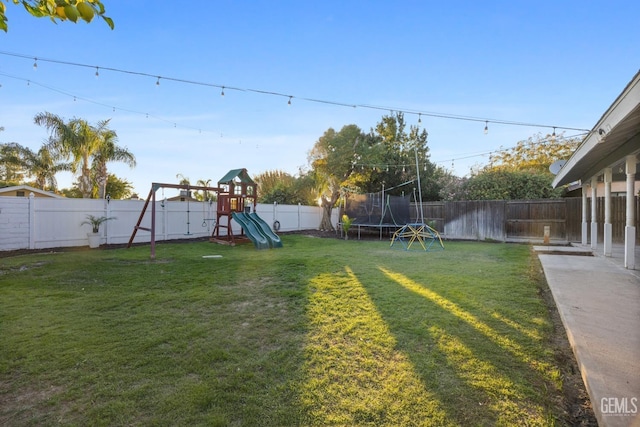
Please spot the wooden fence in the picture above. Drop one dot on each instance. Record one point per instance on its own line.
(522, 220)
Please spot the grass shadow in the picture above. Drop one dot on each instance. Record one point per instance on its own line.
(467, 362)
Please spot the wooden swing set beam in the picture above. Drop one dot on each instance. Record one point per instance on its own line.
(152, 198)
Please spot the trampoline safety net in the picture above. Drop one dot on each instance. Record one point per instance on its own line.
(377, 209)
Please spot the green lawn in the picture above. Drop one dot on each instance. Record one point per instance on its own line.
(320, 332)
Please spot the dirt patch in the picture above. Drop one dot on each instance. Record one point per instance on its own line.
(575, 401)
(21, 268)
(21, 407)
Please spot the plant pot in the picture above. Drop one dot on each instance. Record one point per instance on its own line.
(94, 239)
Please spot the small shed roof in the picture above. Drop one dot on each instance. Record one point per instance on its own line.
(241, 174)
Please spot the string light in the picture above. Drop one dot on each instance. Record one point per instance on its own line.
(290, 97)
(222, 93)
(486, 127)
(97, 73)
(266, 92)
(111, 107)
(35, 64)
(553, 135)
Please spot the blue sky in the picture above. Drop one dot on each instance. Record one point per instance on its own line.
(555, 63)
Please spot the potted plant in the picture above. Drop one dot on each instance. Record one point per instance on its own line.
(95, 222)
(346, 225)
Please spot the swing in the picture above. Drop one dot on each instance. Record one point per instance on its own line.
(204, 215)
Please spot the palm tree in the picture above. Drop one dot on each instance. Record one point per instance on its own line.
(205, 196)
(12, 168)
(80, 142)
(183, 179)
(43, 166)
(109, 151)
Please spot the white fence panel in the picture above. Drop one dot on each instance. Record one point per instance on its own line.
(15, 223)
(58, 221)
(40, 223)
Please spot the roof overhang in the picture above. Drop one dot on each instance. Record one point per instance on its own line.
(30, 189)
(615, 136)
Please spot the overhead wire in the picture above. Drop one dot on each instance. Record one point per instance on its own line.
(290, 96)
(224, 87)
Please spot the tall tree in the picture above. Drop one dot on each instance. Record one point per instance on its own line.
(393, 159)
(520, 172)
(118, 188)
(43, 167)
(205, 195)
(108, 151)
(59, 10)
(12, 168)
(534, 154)
(277, 186)
(77, 141)
(509, 185)
(334, 159)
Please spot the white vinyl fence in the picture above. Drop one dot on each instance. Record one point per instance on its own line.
(40, 223)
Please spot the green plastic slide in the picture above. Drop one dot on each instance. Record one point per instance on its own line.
(251, 230)
(273, 238)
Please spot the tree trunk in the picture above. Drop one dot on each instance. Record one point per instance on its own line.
(327, 208)
(84, 185)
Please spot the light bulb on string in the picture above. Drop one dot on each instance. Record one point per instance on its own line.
(289, 103)
(97, 73)
(403, 169)
(486, 127)
(553, 135)
(222, 92)
(35, 64)
(158, 81)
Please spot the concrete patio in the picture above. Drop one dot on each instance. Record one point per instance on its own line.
(599, 303)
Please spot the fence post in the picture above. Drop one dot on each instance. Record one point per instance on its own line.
(165, 219)
(107, 211)
(32, 220)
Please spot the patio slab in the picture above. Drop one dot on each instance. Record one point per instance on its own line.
(599, 303)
